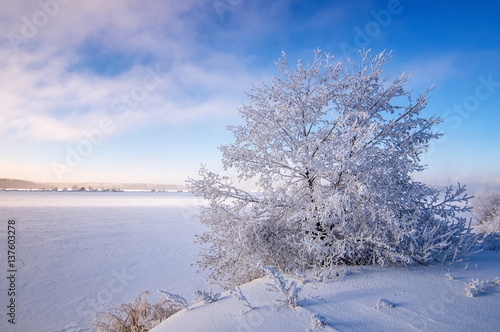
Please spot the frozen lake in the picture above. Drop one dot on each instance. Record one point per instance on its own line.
(82, 252)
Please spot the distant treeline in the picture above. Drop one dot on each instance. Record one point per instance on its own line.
(87, 186)
(17, 184)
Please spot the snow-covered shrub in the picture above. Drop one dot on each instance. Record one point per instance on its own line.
(448, 275)
(476, 287)
(205, 296)
(490, 241)
(289, 289)
(135, 316)
(175, 299)
(332, 149)
(486, 204)
(238, 294)
(492, 226)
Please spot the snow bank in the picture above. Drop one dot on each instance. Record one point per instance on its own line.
(430, 298)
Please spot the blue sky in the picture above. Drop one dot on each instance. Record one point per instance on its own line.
(131, 91)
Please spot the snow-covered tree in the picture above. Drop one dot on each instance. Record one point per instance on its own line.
(332, 149)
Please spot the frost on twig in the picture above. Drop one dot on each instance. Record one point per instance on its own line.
(302, 275)
(205, 296)
(238, 294)
(136, 315)
(289, 289)
(174, 298)
(477, 287)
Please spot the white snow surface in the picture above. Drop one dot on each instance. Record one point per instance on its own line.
(78, 253)
(82, 252)
(423, 299)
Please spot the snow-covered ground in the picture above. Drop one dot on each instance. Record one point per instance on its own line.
(424, 298)
(82, 252)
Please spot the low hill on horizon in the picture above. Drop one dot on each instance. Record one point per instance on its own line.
(24, 184)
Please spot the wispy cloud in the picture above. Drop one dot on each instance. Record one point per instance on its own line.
(66, 74)
(150, 67)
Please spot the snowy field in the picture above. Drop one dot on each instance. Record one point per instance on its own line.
(373, 298)
(82, 252)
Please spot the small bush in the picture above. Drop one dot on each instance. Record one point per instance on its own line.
(135, 316)
(205, 296)
(486, 211)
(491, 241)
(175, 299)
(238, 294)
(289, 290)
(476, 287)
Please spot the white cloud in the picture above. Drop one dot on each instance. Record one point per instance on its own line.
(48, 97)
